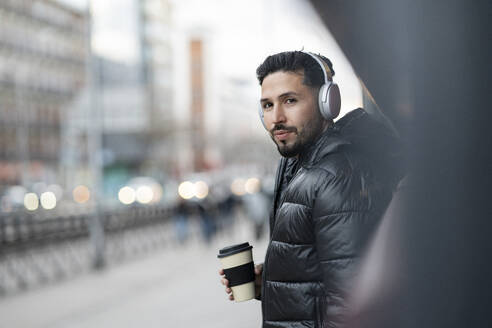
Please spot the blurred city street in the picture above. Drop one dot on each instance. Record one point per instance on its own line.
(176, 286)
(133, 148)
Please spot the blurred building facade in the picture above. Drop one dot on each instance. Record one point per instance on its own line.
(156, 49)
(215, 108)
(43, 56)
(136, 102)
(197, 104)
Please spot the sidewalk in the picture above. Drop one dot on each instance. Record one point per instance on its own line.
(174, 287)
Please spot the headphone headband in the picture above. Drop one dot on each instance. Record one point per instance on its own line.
(324, 66)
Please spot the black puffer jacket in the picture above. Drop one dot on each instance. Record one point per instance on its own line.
(326, 206)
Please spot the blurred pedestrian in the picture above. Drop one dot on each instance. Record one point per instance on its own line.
(181, 217)
(333, 183)
(256, 206)
(226, 207)
(207, 217)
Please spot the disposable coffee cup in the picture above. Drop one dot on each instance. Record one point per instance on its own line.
(237, 262)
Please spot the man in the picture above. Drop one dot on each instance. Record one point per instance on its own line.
(332, 186)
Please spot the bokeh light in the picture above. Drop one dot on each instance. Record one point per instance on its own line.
(17, 194)
(252, 185)
(186, 190)
(127, 195)
(31, 201)
(200, 189)
(238, 187)
(81, 194)
(144, 194)
(48, 200)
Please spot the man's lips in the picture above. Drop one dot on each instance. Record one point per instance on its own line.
(282, 134)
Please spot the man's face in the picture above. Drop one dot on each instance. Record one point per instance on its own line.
(291, 112)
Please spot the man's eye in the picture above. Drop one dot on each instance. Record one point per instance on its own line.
(267, 106)
(290, 100)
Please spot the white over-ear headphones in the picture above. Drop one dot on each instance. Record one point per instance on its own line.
(328, 96)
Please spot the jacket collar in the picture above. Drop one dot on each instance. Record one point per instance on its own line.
(329, 142)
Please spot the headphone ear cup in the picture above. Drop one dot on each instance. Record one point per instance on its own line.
(260, 113)
(334, 100)
(329, 100)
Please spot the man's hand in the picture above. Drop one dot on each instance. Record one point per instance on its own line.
(225, 282)
(258, 272)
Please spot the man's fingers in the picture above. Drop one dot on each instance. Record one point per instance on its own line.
(225, 282)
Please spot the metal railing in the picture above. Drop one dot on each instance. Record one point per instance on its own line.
(24, 230)
(35, 251)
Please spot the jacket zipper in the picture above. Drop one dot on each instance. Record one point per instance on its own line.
(267, 255)
(283, 165)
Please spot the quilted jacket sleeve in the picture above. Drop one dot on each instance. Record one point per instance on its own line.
(342, 223)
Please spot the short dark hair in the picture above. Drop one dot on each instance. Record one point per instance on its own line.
(294, 61)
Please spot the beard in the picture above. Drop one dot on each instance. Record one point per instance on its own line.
(306, 137)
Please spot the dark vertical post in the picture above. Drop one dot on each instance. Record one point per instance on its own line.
(94, 126)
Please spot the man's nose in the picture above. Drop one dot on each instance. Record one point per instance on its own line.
(278, 114)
